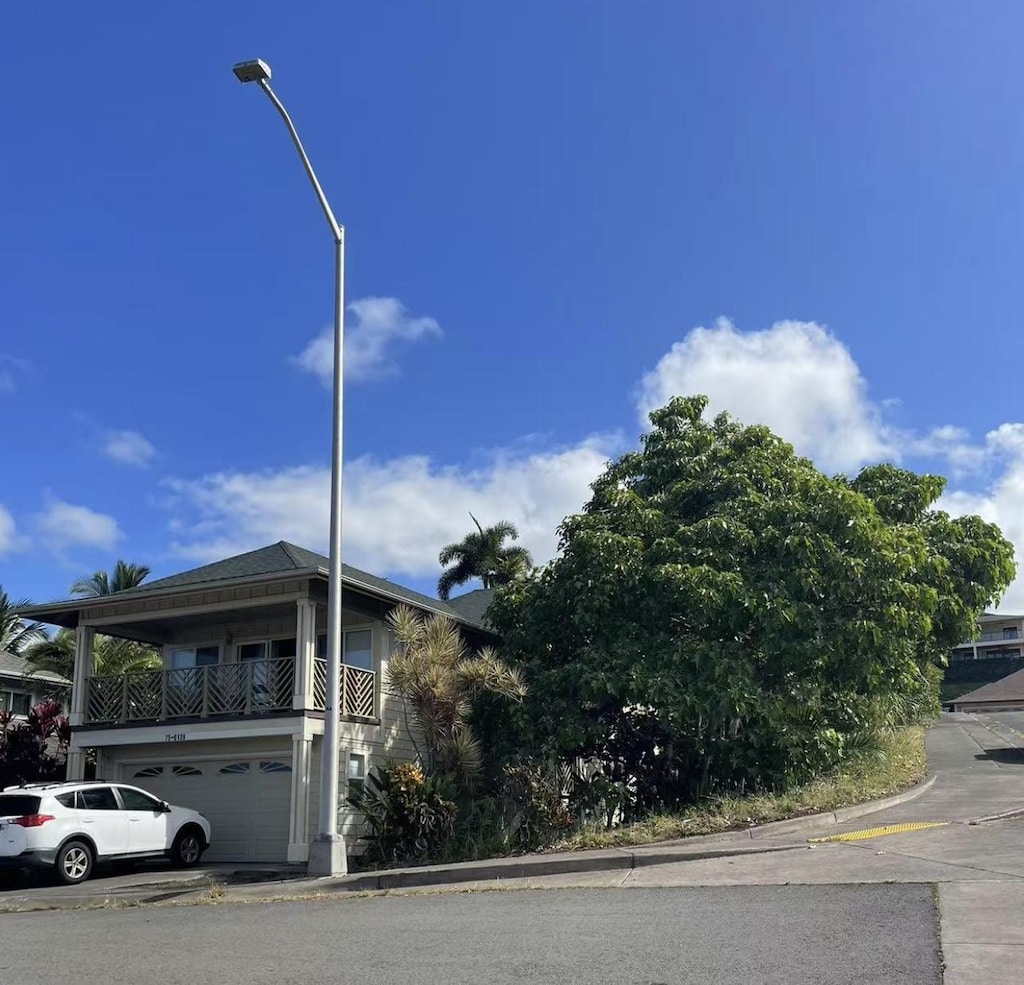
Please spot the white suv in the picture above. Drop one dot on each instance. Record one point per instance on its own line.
(69, 827)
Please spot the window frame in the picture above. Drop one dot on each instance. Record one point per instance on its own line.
(8, 696)
(267, 642)
(370, 628)
(100, 786)
(120, 791)
(194, 648)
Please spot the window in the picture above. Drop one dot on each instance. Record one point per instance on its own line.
(1009, 632)
(358, 648)
(234, 768)
(186, 771)
(356, 773)
(15, 702)
(72, 800)
(267, 650)
(269, 767)
(136, 800)
(149, 771)
(18, 805)
(99, 799)
(183, 657)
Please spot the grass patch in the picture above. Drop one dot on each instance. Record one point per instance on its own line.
(899, 763)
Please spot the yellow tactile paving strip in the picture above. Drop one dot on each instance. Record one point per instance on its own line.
(885, 829)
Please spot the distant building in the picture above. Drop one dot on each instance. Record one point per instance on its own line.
(999, 636)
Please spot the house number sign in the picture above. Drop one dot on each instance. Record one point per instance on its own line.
(174, 737)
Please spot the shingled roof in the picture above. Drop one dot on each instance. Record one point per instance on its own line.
(1009, 688)
(282, 558)
(474, 605)
(12, 665)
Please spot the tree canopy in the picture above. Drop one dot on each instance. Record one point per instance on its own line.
(16, 635)
(111, 656)
(484, 555)
(723, 616)
(125, 575)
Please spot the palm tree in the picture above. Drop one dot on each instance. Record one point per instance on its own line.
(15, 633)
(111, 656)
(438, 676)
(124, 576)
(483, 555)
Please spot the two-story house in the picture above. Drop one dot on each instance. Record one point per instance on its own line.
(232, 725)
(998, 636)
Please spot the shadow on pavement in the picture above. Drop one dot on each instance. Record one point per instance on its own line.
(1013, 757)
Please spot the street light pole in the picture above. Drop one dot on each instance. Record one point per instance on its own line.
(327, 855)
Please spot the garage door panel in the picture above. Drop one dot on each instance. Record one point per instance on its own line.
(247, 802)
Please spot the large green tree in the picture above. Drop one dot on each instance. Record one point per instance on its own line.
(483, 554)
(15, 633)
(125, 575)
(724, 616)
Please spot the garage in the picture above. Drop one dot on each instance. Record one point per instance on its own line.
(247, 802)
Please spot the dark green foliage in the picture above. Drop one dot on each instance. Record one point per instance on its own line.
(483, 555)
(125, 575)
(36, 748)
(725, 618)
(410, 816)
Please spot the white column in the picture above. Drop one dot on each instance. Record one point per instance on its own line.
(84, 636)
(298, 826)
(75, 768)
(305, 651)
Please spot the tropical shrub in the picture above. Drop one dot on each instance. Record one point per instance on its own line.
(36, 748)
(410, 816)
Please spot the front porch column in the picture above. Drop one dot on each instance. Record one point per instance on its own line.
(84, 638)
(75, 768)
(305, 651)
(298, 827)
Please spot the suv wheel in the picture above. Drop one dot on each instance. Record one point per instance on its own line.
(187, 849)
(74, 862)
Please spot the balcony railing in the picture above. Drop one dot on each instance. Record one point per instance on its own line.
(253, 687)
(358, 690)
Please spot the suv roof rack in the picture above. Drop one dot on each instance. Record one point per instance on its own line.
(45, 784)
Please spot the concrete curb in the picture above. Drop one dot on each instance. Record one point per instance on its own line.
(601, 860)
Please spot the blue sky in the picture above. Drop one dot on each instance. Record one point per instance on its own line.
(552, 210)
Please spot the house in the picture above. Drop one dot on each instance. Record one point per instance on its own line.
(21, 687)
(233, 724)
(1006, 694)
(999, 636)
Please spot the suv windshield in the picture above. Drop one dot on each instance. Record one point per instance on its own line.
(18, 805)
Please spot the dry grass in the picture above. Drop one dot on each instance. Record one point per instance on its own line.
(900, 764)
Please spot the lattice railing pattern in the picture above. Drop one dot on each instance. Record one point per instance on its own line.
(249, 688)
(358, 690)
(104, 703)
(319, 683)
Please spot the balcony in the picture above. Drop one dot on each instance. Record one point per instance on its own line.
(255, 687)
(358, 690)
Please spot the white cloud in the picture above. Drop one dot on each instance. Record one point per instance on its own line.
(8, 531)
(378, 323)
(10, 367)
(398, 513)
(62, 526)
(128, 448)
(1000, 499)
(795, 377)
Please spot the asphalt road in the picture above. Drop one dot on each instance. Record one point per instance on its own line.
(758, 935)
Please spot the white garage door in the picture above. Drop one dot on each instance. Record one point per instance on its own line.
(246, 801)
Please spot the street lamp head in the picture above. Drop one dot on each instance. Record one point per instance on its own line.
(254, 71)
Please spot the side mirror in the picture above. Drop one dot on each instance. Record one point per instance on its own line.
(165, 807)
